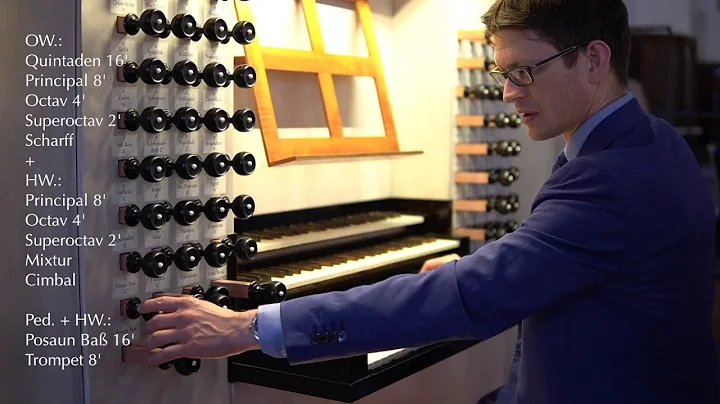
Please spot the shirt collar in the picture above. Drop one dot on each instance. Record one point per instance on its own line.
(573, 146)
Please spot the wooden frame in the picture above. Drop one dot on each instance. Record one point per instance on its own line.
(262, 58)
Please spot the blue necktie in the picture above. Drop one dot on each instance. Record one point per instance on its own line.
(560, 161)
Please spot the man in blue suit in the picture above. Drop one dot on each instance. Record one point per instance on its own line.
(611, 274)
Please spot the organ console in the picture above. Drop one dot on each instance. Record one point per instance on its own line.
(335, 248)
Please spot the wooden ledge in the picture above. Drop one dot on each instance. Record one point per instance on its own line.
(474, 35)
(471, 205)
(342, 157)
(474, 234)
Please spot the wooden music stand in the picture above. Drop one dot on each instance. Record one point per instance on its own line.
(262, 58)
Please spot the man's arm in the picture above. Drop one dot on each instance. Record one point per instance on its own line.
(573, 240)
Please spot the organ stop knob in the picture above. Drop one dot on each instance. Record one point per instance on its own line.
(153, 216)
(244, 120)
(217, 120)
(187, 212)
(244, 163)
(130, 262)
(243, 206)
(184, 26)
(244, 32)
(218, 253)
(217, 208)
(188, 166)
(156, 262)
(188, 257)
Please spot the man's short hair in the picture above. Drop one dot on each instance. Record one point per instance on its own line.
(565, 23)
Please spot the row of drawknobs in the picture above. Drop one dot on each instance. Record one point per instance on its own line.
(154, 71)
(154, 119)
(187, 166)
(483, 92)
(154, 23)
(504, 148)
(503, 204)
(156, 262)
(220, 293)
(186, 212)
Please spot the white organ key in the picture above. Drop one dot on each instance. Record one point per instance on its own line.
(351, 267)
(345, 231)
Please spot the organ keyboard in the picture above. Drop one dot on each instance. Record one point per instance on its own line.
(336, 248)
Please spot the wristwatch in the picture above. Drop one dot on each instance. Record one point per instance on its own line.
(254, 327)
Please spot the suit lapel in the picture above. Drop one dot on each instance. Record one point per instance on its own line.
(611, 127)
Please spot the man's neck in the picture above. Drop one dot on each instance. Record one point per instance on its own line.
(600, 101)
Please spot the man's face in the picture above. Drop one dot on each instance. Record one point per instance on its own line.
(557, 102)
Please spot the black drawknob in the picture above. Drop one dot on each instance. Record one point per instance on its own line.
(244, 120)
(496, 93)
(187, 366)
(194, 290)
(267, 292)
(217, 164)
(187, 119)
(217, 290)
(513, 202)
(130, 120)
(506, 177)
(129, 168)
(131, 308)
(184, 26)
(493, 176)
(154, 216)
(185, 73)
(153, 169)
(243, 206)
(153, 71)
(130, 72)
(189, 166)
(246, 248)
(187, 258)
(153, 22)
(217, 120)
(512, 226)
(131, 24)
(132, 262)
(514, 120)
(216, 75)
(216, 30)
(245, 76)
(221, 300)
(244, 163)
(244, 32)
(483, 92)
(155, 120)
(217, 253)
(130, 215)
(187, 212)
(156, 263)
(217, 208)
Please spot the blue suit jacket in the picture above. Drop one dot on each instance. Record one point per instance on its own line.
(612, 275)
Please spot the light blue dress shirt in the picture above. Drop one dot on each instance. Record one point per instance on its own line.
(269, 323)
(573, 146)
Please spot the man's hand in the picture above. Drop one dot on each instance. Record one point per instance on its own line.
(431, 264)
(191, 328)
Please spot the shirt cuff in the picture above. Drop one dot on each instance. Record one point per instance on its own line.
(270, 331)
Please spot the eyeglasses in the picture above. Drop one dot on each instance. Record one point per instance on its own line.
(522, 76)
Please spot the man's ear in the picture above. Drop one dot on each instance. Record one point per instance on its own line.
(598, 54)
